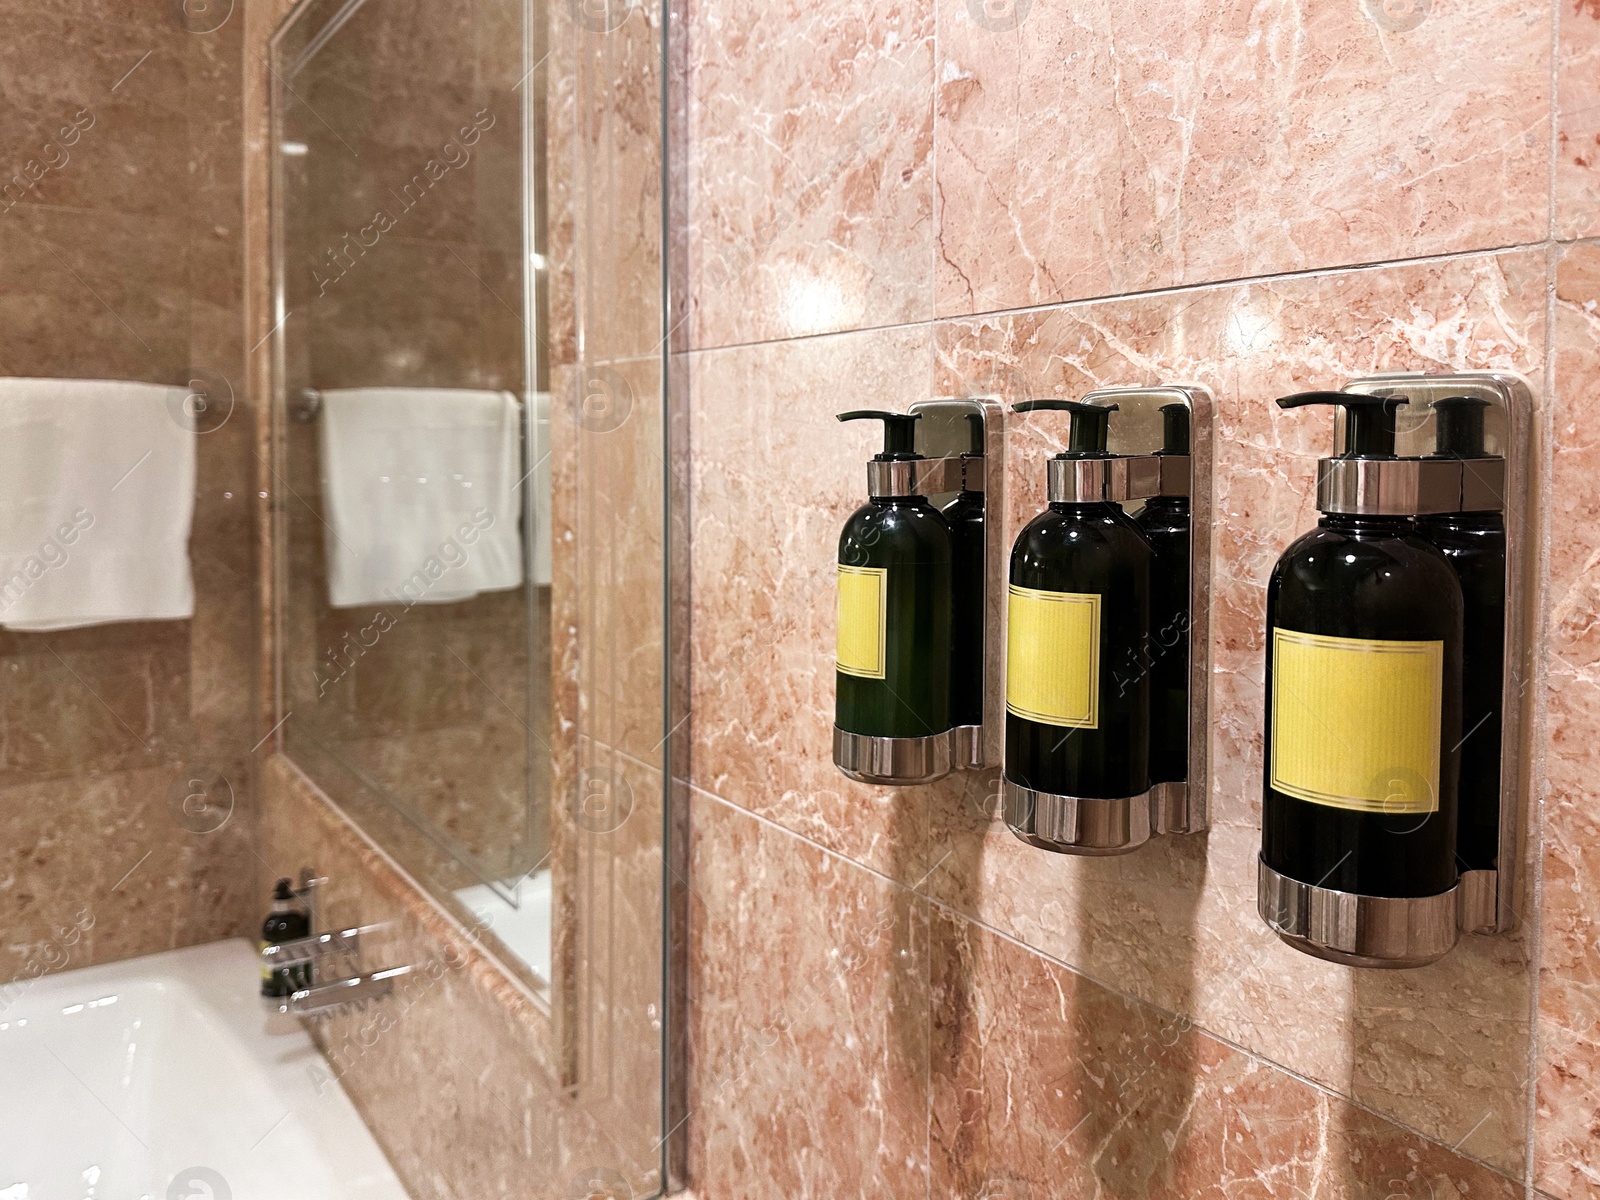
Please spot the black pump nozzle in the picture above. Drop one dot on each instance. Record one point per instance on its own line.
(1175, 428)
(899, 432)
(1458, 427)
(1091, 425)
(975, 425)
(1369, 427)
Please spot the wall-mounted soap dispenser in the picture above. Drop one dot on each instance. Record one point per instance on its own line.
(1104, 618)
(896, 555)
(917, 650)
(1376, 847)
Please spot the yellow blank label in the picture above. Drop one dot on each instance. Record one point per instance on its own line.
(1053, 657)
(1355, 723)
(863, 612)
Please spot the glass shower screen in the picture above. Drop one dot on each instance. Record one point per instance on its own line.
(471, 462)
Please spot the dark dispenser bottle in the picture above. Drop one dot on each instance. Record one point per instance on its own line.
(964, 515)
(892, 709)
(286, 922)
(1077, 719)
(1165, 522)
(1475, 544)
(1363, 715)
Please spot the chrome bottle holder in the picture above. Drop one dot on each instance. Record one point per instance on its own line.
(1384, 931)
(944, 438)
(1090, 825)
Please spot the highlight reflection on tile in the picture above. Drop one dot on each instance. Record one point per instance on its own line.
(810, 143)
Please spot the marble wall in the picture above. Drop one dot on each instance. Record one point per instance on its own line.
(121, 257)
(891, 996)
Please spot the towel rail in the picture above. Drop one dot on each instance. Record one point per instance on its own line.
(306, 407)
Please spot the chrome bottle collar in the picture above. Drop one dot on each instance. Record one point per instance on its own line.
(1078, 824)
(1409, 487)
(915, 477)
(894, 761)
(1118, 478)
(1356, 930)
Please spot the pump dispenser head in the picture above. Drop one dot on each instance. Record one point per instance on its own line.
(1369, 423)
(1458, 427)
(975, 426)
(1091, 425)
(899, 432)
(1175, 428)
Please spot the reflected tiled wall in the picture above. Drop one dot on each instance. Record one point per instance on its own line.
(570, 1093)
(937, 197)
(121, 258)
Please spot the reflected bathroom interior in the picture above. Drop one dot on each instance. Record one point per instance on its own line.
(335, 736)
(416, 374)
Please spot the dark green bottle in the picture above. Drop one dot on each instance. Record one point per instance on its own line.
(1165, 522)
(1077, 703)
(1475, 544)
(286, 922)
(1363, 687)
(964, 515)
(895, 565)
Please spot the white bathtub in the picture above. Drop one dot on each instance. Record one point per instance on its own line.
(157, 1077)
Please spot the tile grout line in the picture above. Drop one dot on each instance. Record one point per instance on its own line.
(1147, 294)
(1539, 626)
(1253, 1055)
(1539, 715)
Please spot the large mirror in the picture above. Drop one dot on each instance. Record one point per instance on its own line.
(471, 457)
(416, 621)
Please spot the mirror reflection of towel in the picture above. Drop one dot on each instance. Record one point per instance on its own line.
(97, 482)
(421, 491)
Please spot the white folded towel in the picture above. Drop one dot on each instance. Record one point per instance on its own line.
(539, 498)
(96, 502)
(422, 492)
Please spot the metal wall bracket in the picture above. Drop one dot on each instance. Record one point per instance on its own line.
(944, 434)
(1486, 899)
(948, 466)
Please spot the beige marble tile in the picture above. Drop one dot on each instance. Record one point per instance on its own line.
(1578, 120)
(811, 174)
(1046, 1084)
(616, 182)
(112, 856)
(129, 150)
(559, 79)
(619, 959)
(1175, 924)
(1567, 1139)
(1104, 148)
(809, 1019)
(774, 479)
(618, 552)
(97, 295)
